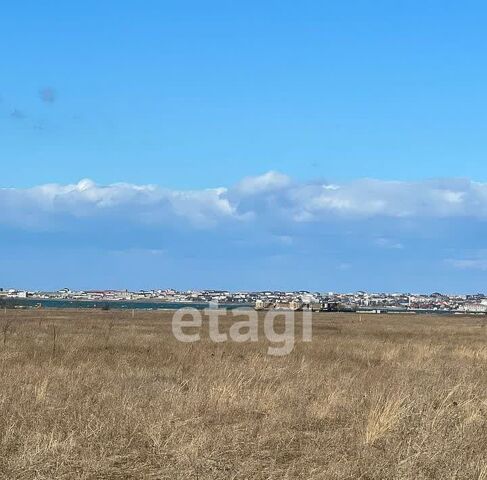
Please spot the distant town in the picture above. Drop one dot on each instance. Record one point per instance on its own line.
(359, 301)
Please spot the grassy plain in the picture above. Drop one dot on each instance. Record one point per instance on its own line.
(101, 395)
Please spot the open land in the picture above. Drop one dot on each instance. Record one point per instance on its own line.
(91, 394)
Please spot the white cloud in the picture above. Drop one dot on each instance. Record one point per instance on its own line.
(272, 197)
(144, 203)
(468, 264)
(384, 242)
(268, 182)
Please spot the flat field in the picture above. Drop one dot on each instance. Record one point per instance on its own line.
(101, 395)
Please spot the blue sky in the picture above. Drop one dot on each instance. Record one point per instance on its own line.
(190, 96)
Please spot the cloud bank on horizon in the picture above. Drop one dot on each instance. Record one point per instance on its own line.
(272, 196)
(297, 232)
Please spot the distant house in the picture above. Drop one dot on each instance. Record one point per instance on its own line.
(480, 307)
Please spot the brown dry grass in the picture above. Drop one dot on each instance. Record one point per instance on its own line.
(391, 397)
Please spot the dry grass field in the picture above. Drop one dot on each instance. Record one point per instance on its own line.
(116, 397)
